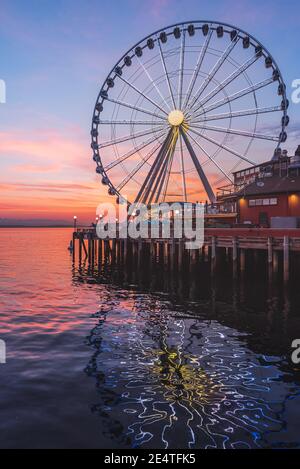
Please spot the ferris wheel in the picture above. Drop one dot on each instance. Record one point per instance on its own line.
(183, 109)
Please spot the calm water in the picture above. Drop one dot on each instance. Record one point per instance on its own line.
(141, 359)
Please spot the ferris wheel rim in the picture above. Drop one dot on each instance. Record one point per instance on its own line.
(213, 25)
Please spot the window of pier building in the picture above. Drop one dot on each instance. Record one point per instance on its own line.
(263, 202)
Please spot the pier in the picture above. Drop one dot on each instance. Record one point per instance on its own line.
(236, 245)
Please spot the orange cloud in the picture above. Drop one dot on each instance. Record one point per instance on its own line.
(50, 175)
(45, 149)
(53, 175)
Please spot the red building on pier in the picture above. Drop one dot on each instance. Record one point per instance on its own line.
(266, 195)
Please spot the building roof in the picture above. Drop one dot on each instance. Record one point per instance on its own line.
(272, 185)
(272, 162)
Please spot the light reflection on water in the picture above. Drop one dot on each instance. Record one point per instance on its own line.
(171, 381)
(141, 359)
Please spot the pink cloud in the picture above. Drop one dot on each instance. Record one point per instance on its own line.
(50, 172)
(244, 10)
(158, 7)
(48, 151)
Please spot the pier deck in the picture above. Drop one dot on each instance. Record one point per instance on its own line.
(235, 242)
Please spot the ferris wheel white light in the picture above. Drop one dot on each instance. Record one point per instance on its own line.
(176, 118)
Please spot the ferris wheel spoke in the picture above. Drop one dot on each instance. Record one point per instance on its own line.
(181, 69)
(144, 95)
(201, 174)
(241, 133)
(233, 97)
(245, 112)
(197, 68)
(125, 139)
(167, 78)
(136, 108)
(213, 71)
(228, 80)
(211, 159)
(127, 155)
(125, 122)
(182, 171)
(139, 166)
(153, 83)
(220, 145)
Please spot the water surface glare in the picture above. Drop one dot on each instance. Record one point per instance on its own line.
(124, 360)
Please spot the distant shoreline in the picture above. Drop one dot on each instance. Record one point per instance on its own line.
(36, 226)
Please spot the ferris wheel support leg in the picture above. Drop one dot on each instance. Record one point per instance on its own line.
(147, 184)
(161, 166)
(160, 178)
(163, 179)
(202, 176)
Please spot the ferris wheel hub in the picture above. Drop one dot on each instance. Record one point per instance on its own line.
(176, 118)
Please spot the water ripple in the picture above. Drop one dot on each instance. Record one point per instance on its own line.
(169, 382)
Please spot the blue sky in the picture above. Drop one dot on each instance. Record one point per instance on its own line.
(55, 55)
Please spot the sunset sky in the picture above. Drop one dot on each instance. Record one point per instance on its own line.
(55, 55)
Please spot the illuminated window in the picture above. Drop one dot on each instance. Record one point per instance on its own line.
(262, 202)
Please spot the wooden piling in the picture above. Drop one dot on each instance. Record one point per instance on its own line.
(84, 247)
(80, 250)
(89, 249)
(165, 252)
(140, 251)
(270, 251)
(275, 261)
(99, 252)
(125, 251)
(213, 254)
(113, 250)
(286, 259)
(172, 253)
(180, 254)
(234, 256)
(153, 251)
(92, 261)
(242, 260)
(73, 252)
